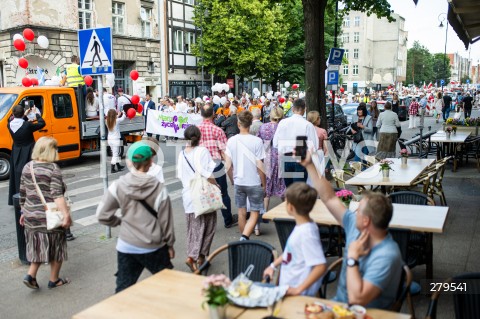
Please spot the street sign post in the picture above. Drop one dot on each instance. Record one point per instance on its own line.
(96, 58)
(334, 61)
(336, 56)
(332, 78)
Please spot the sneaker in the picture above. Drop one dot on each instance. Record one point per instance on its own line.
(234, 221)
(70, 237)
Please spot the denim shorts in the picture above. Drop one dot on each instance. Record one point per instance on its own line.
(254, 194)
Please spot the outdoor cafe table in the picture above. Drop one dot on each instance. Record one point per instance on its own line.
(401, 175)
(172, 294)
(448, 145)
(428, 219)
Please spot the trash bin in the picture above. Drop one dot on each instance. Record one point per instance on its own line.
(22, 247)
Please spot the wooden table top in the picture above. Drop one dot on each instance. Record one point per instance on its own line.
(172, 294)
(293, 308)
(441, 137)
(401, 175)
(413, 217)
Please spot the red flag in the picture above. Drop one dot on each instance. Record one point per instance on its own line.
(430, 85)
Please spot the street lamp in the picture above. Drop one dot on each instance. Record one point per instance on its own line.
(443, 17)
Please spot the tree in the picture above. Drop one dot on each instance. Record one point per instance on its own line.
(465, 78)
(315, 62)
(242, 37)
(420, 65)
(441, 68)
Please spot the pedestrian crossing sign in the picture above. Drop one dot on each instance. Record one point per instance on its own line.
(95, 50)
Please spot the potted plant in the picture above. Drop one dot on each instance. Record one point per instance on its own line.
(385, 167)
(454, 129)
(215, 291)
(404, 156)
(345, 196)
(448, 131)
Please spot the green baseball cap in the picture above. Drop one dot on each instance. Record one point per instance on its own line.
(139, 152)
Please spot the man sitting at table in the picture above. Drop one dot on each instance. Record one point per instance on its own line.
(303, 262)
(372, 263)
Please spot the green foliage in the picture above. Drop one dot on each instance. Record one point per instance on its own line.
(245, 37)
(465, 78)
(441, 67)
(422, 66)
(381, 8)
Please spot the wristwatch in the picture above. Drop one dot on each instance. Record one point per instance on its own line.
(352, 262)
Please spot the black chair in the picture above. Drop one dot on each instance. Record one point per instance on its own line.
(333, 269)
(408, 197)
(284, 227)
(404, 292)
(466, 303)
(242, 254)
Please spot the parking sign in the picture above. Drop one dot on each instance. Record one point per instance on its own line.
(336, 56)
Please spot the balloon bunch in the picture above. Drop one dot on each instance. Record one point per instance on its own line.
(20, 45)
(135, 99)
(219, 87)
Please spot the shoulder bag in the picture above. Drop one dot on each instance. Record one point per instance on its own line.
(54, 216)
(206, 197)
(358, 136)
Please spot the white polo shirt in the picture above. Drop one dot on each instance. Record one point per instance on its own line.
(288, 129)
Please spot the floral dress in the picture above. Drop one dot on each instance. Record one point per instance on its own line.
(275, 184)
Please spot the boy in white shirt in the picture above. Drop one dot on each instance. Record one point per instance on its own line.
(303, 262)
(244, 162)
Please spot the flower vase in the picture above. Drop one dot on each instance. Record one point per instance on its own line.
(217, 312)
(386, 173)
(448, 135)
(404, 160)
(346, 203)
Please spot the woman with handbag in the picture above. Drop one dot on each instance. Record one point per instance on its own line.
(388, 125)
(362, 130)
(41, 188)
(200, 228)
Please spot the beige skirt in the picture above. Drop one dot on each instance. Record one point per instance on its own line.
(387, 145)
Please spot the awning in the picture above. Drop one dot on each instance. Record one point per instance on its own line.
(464, 17)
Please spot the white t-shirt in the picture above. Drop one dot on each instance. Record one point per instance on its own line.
(201, 161)
(109, 102)
(245, 150)
(181, 107)
(157, 172)
(302, 252)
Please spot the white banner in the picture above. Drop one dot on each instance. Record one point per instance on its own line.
(170, 123)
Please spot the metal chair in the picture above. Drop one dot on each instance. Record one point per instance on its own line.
(466, 303)
(241, 254)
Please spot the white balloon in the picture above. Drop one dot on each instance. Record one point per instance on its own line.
(18, 36)
(301, 95)
(205, 98)
(223, 100)
(110, 79)
(230, 95)
(214, 88)
(278, 93)
(43, 41)
(198, 100)
(287, 84)
(216, 99)
(226, 87)
(262, 98)
(269, 96)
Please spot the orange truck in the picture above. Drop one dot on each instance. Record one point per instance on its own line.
(64, 113)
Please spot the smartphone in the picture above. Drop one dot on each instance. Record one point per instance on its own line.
(31, 104)
(301, 148)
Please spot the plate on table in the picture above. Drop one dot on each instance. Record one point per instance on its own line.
(259, 295)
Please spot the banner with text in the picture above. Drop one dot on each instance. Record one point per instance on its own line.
(170, 123)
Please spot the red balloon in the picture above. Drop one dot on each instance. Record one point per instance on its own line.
(23, 63)
(88, 80)
(34, 81)
(28, 34)
(134, 75)
(295, 86)
(19, 45)
(342, 89)
(26, 82)
(281, 100)
(135, 99)
(131, 113)
(139, 108)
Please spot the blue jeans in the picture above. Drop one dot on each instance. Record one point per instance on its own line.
(446, 113)
(293, 167)
(222, 182)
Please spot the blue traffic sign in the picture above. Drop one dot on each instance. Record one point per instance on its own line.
(332, 77)
(442, 82)
(336, 56)
(468, 81)
(95, 47)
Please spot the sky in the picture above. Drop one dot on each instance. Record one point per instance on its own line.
(422, 23)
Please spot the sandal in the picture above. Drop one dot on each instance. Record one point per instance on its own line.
(30, 282)
(58, 283)
(191, 264)
(200, 261)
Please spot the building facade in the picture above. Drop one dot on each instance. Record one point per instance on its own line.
(136, 38)
(376, 51)
(459, 66)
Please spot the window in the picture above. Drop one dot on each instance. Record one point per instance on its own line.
(346, 22)
(36, 100)
(355, 53)
(345, 54)
(356, 37)
(146, 15)
(357, 21)
(189, 40)
(62, 106)
(355, 70)
(151, 67)
(178, 41)
(345, 70)
(118, 11)
(345, 38)
(84, 14)
(190, 2)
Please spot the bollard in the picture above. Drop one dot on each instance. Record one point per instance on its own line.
(21, 244)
